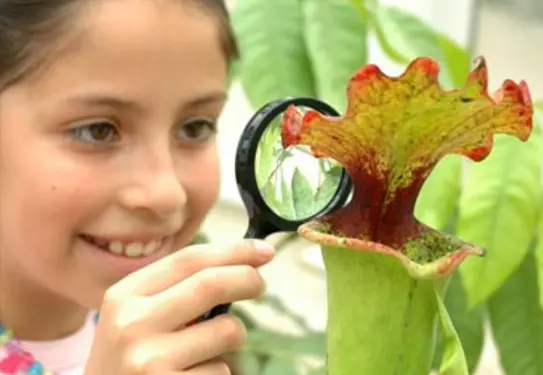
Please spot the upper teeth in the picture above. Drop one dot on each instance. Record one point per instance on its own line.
(134, 249)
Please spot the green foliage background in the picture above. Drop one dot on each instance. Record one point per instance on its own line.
(311, 48)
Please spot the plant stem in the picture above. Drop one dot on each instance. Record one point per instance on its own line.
(381, 321)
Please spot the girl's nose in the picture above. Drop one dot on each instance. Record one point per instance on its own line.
(155, 189)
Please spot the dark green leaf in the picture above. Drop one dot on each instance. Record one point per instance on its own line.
(453, 361)
(439, 196)
(302, 195)
(406, 37)
(336, 37)
(468, 324)
(517, 321)
(274, 62)
(497, 212)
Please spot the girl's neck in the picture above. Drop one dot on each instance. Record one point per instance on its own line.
(35, 314)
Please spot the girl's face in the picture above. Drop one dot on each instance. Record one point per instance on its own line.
(108, 154)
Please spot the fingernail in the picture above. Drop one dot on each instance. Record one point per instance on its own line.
(263, 247)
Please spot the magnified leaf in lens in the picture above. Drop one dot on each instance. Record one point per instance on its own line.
(294, 183)
(266, 152)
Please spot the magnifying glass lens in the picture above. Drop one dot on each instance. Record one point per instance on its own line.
(293, 182)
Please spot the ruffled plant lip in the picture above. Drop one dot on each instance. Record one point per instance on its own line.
(394, 132)
(443, 264)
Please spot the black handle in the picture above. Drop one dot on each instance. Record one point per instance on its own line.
(257, 230)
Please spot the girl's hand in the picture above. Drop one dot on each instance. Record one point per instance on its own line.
(145, 318)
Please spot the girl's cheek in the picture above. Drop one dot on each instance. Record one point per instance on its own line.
(202, 183)
(56, 193)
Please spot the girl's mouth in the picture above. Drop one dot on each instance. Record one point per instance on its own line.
(127, 249)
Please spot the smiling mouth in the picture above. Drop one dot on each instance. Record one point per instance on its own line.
(127, 249)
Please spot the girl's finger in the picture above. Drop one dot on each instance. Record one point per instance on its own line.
(186, 350)
(186, 262)
(193, 297)
(208, 340)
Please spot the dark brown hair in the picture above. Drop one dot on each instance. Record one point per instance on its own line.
(30, 29)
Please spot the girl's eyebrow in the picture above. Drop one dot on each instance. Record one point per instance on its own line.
(209, 98)
(98, 99)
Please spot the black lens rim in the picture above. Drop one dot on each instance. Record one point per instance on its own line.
(257, 208)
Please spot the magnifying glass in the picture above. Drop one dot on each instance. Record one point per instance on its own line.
(284, 188)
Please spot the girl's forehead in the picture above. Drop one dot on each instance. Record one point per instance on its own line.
(161, 44)
(137, 24)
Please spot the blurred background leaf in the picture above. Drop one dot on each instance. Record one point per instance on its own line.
(435, 205)
(497, 213)
(336, 38)
(405, 37)
(274, 60)
(517, 321)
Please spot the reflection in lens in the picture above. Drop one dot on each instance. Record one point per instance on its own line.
(292, 182)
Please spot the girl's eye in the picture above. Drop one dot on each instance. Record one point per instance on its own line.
(196, 130)
(98, 132)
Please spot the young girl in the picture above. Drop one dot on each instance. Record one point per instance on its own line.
(108, 167)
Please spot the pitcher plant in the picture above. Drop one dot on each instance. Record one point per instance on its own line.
(386, 272)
